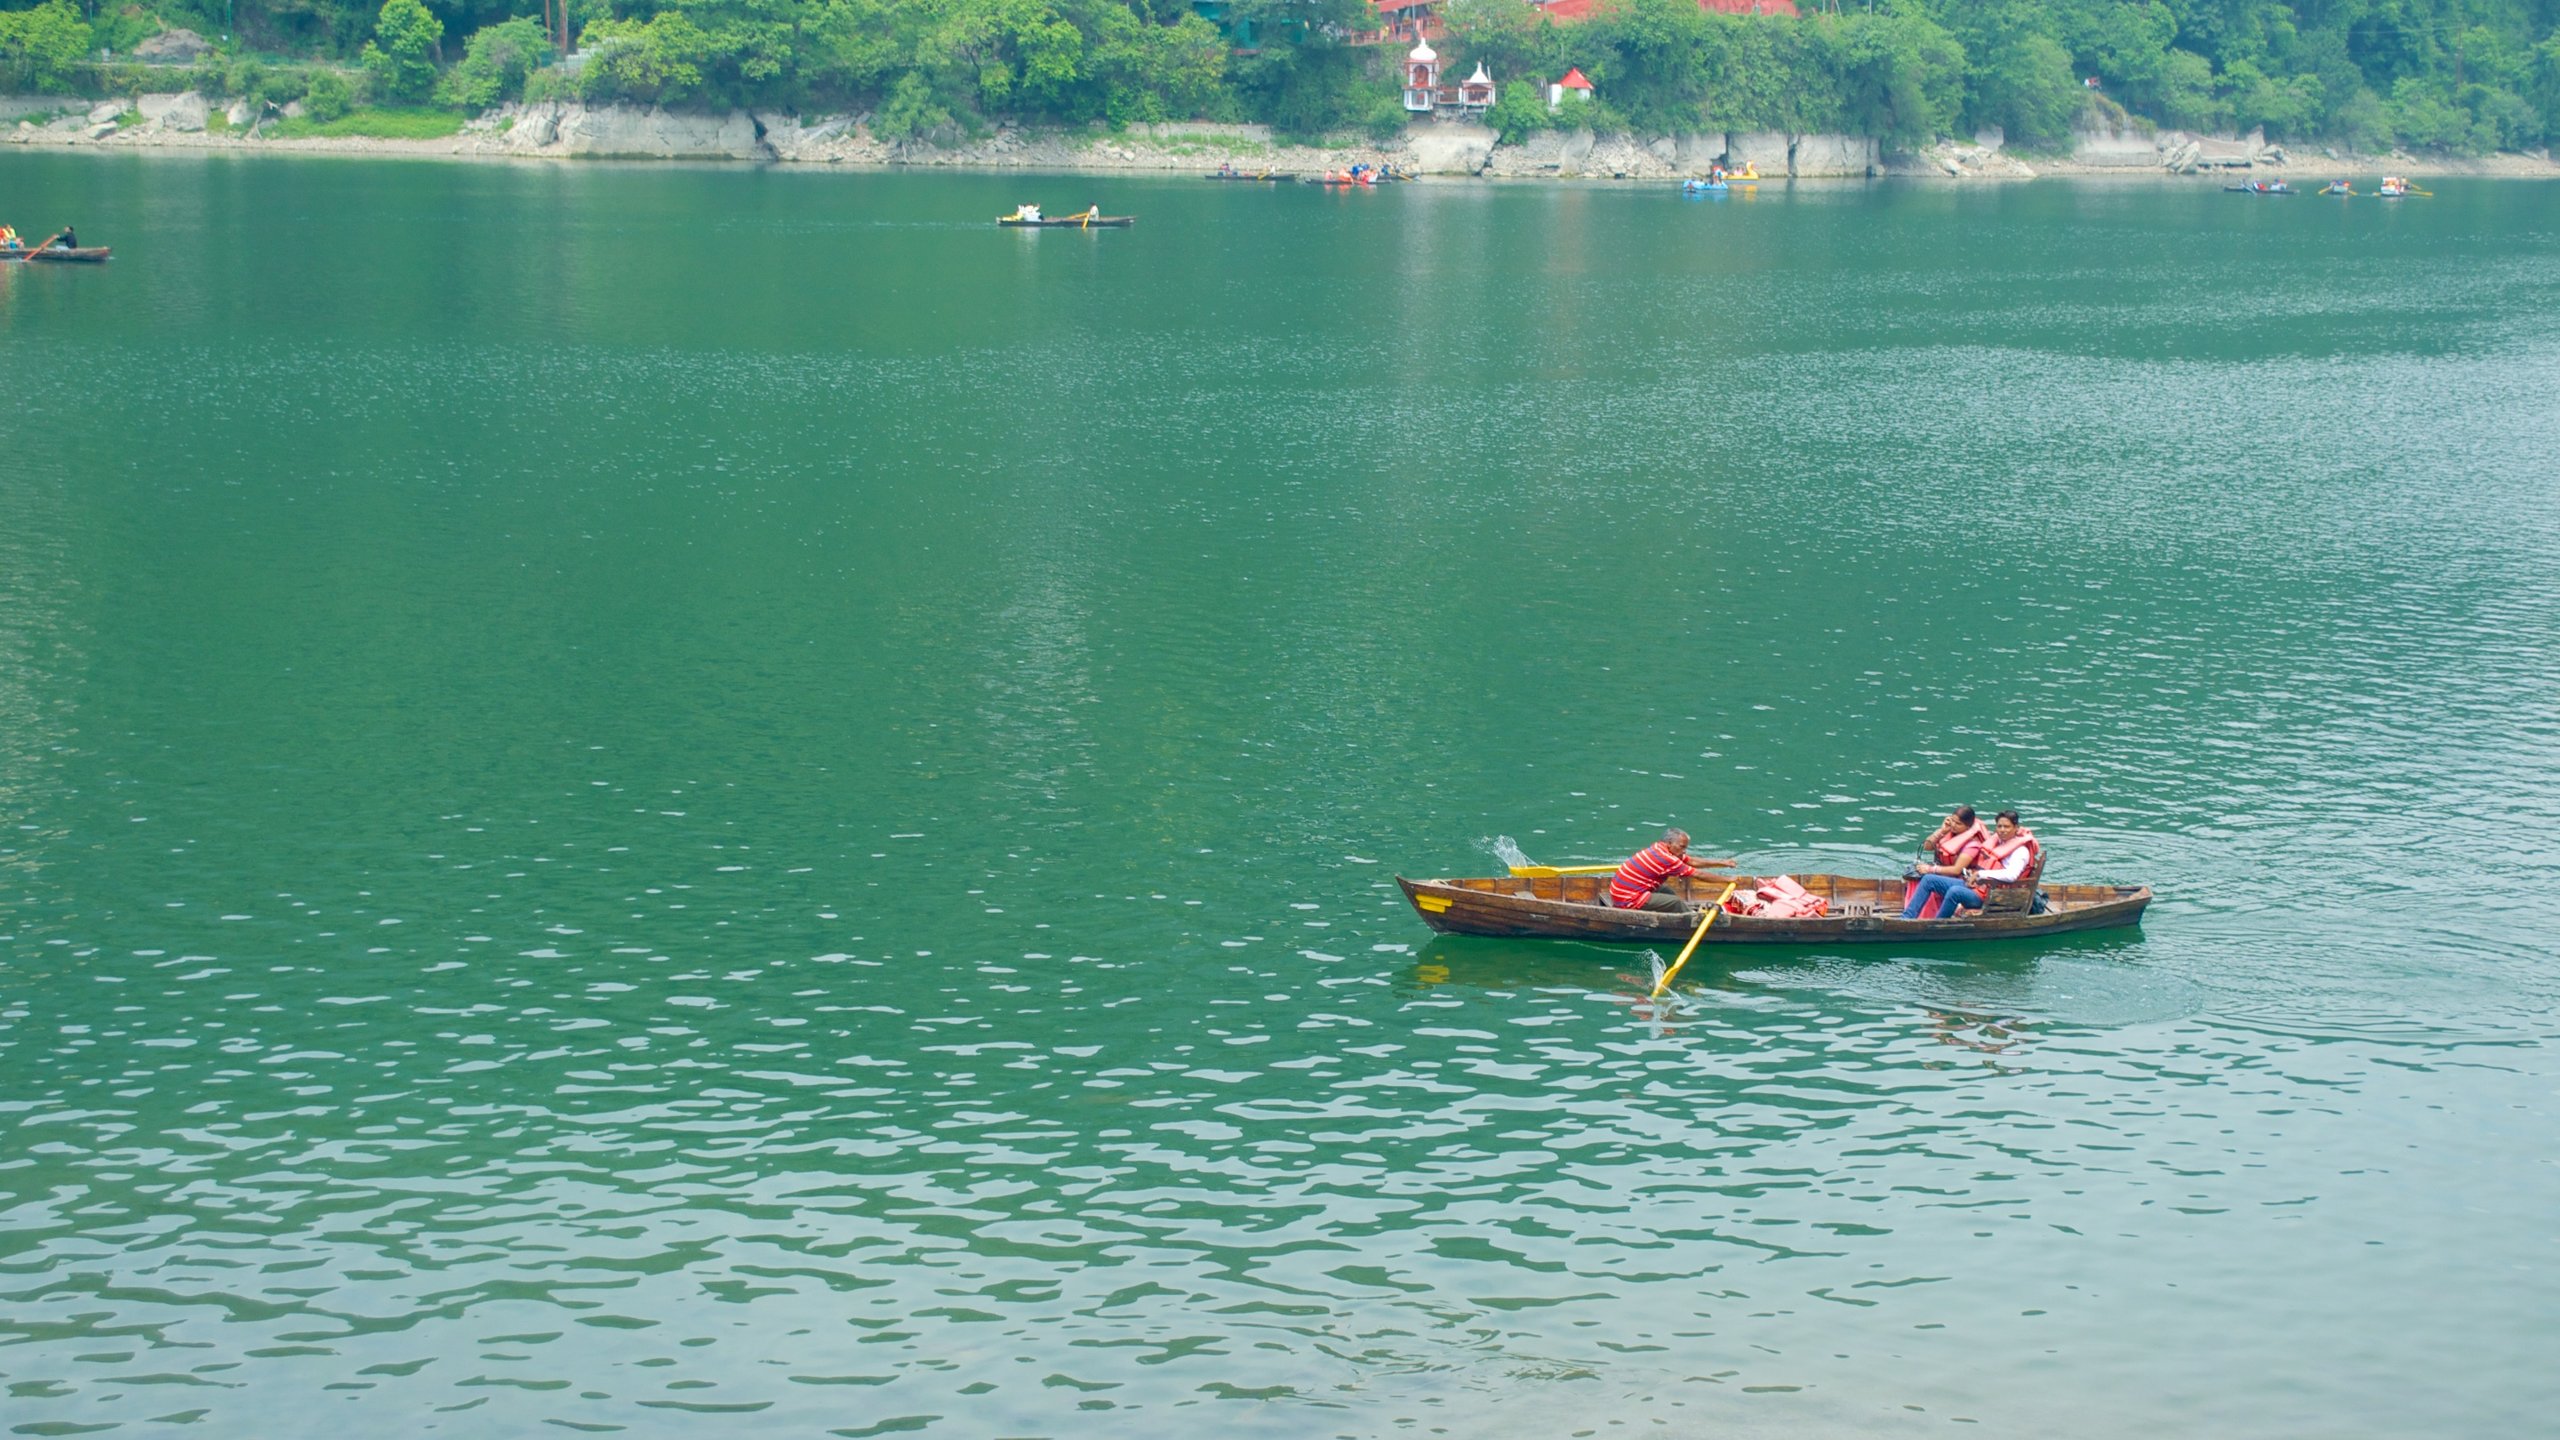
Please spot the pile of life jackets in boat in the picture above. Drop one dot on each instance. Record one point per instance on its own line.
(1778, 898)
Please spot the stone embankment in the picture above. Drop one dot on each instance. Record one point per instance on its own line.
(1428, 148)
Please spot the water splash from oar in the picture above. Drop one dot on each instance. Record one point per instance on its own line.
(1509, 853)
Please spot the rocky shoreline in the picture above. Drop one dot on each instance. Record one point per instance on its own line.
(569, 131)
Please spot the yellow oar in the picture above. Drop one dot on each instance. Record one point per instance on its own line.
(1712, 912)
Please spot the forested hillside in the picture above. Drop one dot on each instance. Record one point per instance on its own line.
(2453, 75)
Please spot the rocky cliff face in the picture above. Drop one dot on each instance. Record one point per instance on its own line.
(627, 130)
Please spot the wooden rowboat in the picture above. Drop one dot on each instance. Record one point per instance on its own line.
(1576, 907)
(58, 255)
(1070, 222)
(1268, 177)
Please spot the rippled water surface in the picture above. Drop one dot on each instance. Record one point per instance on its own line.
(688, 802)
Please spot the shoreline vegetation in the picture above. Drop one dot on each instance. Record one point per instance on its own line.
(1960, 89)
(626, 133)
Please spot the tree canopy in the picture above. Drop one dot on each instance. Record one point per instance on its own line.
(2459, 75)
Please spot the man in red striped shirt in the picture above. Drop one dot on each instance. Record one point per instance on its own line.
(1637, 885)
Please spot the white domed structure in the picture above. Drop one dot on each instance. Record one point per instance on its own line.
(1421, 78)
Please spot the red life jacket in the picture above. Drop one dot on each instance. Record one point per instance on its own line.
(1953, 845)
(1996, 854)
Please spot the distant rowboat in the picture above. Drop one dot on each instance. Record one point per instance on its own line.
(1269, 177)
(1070, 222)
(60, 255)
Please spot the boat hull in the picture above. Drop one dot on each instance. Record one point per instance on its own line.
(1071, 222)
(56, 255)
(1864, 911)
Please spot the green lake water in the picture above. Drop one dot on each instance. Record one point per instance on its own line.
(704, 801)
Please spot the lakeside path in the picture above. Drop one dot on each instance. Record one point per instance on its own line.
(1439, 151)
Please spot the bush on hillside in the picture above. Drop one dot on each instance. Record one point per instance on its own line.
(495, 62)
(43, 50)
(396, 64)
(328, 98)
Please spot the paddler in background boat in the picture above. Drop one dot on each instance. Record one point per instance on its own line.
(1024, 212)
(2006, 860)
(9, 239)
(1637, 885)
(69, 241)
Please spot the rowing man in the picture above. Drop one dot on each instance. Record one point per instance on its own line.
(1638, 883)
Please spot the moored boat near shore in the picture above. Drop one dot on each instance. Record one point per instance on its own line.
(1861, 910)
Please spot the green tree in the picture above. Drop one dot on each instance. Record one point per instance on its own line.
(2544, 83)
(912, 111)
(2025, 86)
(2288, 109)
(1303, 78)
(1519, 111)
(397, 64)
(2424, 116)
(495, 62)
(1901, 77)
(41, 50)
(328, 97)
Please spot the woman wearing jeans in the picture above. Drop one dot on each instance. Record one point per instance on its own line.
(2005, 861)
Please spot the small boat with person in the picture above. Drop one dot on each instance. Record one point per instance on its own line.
(2260, 187)
(2397, 187)
(1853, 910)
(1263, 177)
(2337, 187)
(62, 247)
(61, 255)
(1028, 217)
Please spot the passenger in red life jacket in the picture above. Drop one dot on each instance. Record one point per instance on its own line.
(1952, 847)
(2007, 859)
(1637, 885)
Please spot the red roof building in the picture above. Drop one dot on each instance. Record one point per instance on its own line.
(1566, 12)
(1574, 79)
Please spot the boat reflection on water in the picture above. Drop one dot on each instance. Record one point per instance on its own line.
(1991, 998)
(1483, 964)
(1991, 1036)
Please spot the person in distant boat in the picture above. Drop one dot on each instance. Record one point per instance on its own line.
(1093, 212)
(1638, 883)
(1226, 167)
(1952, 846)
(69, 240)
(1025, 212)
(9, 239)
(2008, 858)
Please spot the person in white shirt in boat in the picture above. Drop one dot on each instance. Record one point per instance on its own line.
(2007, 859)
